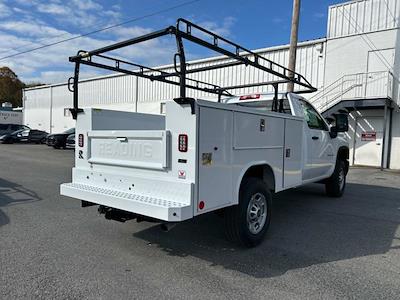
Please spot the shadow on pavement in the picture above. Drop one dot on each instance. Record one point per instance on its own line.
(307, 228)
(13, 194)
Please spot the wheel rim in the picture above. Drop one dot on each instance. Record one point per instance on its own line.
(341, 178)
(256, 213)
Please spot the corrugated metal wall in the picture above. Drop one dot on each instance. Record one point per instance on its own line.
(362, 16)
(121, 92)
(37, 109)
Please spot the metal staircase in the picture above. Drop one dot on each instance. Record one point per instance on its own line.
(354, 90)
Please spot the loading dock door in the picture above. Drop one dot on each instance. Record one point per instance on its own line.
(368, 141)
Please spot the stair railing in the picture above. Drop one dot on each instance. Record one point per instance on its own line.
(357, 86)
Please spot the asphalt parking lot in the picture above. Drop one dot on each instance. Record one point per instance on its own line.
(316, 248)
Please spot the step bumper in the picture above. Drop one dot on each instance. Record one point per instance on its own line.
(162, 209)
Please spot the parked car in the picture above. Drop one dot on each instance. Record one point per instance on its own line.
(59, 140)
(24, 136)
(32, 136)
(10, 137)
(10, 128)
(70, 144)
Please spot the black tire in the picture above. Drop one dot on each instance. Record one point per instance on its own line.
(336, 184)
(236, 217)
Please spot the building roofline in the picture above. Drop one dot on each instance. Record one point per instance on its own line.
(344, 3)
(197, 61)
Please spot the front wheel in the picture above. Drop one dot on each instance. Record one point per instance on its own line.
(248, 222)
(336, 184)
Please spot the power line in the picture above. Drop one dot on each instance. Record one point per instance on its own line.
(47, 38)
(103, 29)
(35, 42)
(390, 11)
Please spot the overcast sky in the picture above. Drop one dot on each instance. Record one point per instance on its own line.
(26, 24)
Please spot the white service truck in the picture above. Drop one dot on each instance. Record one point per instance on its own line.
(229, 156)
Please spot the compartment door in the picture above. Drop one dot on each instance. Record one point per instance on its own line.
(214, 159)
(292, 153)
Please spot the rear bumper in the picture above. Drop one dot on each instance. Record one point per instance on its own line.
(154, 207)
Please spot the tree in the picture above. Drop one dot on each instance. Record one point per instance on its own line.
(11, 87)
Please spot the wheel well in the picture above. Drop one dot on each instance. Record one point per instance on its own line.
(343, 154)
(264, 172)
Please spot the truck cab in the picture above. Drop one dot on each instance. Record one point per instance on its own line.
(320, 142)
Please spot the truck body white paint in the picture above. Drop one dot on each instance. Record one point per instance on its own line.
(124, 164)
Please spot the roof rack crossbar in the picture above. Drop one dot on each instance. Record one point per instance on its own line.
(141, 67)
(240, 86)
(213, 89)
(202, 69)
(151, 76)
(139, 39)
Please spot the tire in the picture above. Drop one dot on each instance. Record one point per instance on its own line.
(254, 200)
(336, 184)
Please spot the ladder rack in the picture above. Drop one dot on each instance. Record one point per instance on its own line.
(186, 30)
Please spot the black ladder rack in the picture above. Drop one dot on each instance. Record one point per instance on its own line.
(186, 30)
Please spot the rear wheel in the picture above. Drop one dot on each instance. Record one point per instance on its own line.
(247, 222)
(335, 185)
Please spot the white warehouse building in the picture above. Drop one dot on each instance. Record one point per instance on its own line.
(356, 69)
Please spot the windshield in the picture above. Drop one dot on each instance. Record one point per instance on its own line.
(17, 131)
(69, 131)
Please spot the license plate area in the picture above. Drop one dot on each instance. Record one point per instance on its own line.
(146, 149)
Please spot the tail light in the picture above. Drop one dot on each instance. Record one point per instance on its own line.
(80, 140)
(183, 143)
(250, 97)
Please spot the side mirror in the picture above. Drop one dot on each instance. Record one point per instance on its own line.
(341, 124)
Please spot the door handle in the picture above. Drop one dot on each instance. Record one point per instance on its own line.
(315, 138)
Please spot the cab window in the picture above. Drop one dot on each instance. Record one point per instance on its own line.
(266, 105)
(313, 118)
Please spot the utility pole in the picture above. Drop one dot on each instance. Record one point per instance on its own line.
(293, 42)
